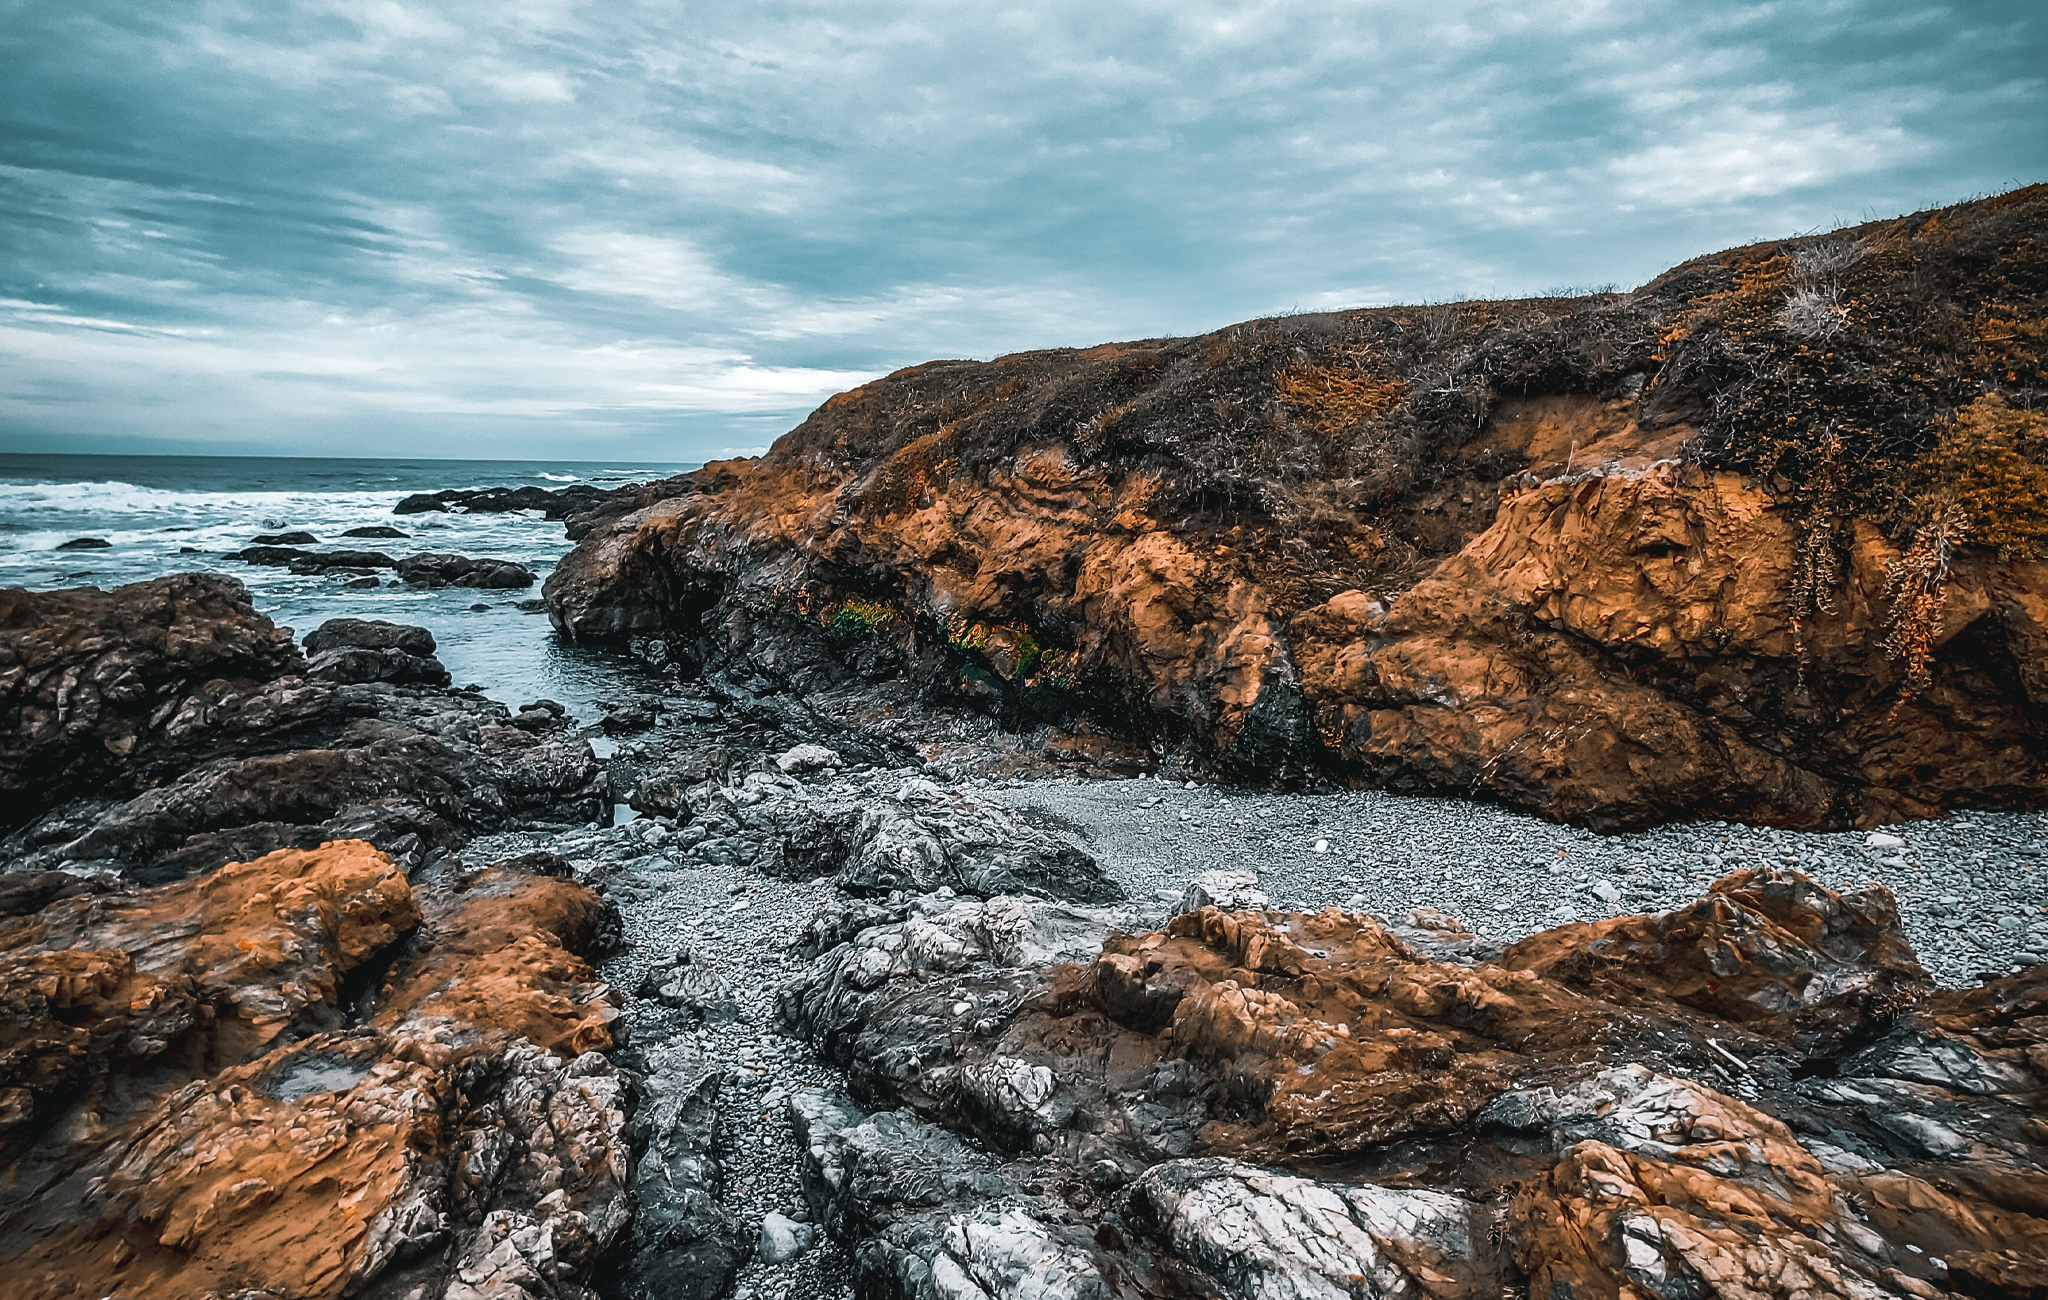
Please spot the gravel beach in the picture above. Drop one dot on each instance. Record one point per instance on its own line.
(1973, 889)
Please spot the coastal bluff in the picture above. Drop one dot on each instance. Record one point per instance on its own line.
(1723, 546)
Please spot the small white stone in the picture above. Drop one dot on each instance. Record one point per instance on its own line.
(1322, 846)
(1882, 840)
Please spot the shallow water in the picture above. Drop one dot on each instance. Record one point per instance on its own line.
(171, 514)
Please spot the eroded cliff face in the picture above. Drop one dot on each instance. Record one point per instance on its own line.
(1561, 554)
(300, 1076)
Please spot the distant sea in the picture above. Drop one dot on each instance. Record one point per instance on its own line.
(173, 514)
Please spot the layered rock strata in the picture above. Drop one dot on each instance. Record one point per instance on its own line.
(1760, 1094)
(299, 1075)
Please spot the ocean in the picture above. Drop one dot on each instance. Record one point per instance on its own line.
(175, 514)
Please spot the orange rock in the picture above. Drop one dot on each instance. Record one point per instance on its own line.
(203, 1119)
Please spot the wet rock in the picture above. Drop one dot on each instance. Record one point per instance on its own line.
(297, 538)
(166, 727)
(376, 530)
(445, 569)
(682, 1245)
(628, 718)
(359, 650)
(95, 682)
(666, 791)
(554, 502)
(85, 544)
(189, 1039)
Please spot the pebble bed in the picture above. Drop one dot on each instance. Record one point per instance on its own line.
(1973, 890)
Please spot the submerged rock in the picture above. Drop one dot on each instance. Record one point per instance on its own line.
(444, 569)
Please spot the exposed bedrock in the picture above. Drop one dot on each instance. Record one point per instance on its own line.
(165, 728)
(301, 1076)
(1579, 556)
(1759, 1094)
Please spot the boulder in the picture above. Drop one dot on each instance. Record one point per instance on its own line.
(296, 538)
(927, 836)
(360, 650)
(86, 677)
(85, 544)
(165, 728)
(376, 530)
(444, 569)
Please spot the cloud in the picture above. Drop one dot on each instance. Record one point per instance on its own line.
(312, 224)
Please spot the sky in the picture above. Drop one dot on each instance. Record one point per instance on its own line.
(668, 230)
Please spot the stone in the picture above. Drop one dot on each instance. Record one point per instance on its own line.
(445, 569)
(85, 544)
(783, 1238)
(165, 728)
(1228, 890)
(807, 758)
(928, 836)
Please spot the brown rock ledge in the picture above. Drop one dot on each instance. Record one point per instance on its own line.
(299, 1076)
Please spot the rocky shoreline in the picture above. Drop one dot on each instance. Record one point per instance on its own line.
(1416, 803)
(835, 1018)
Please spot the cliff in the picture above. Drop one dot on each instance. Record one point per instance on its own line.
(1761, 539)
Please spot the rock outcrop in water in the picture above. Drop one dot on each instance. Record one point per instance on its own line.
(165, 728)
(1685, 552)
(1757, 1095)
(301, 1076)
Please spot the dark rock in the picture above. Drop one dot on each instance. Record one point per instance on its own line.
(350, 664)
(666, 791)
(376, 530)
(23, 892)
(629, 717)
(85, 544)
(683, 1245)
(301, 561)
(442, 569)
(94, 682)
(554, 502)
(361, 650)
(369, 634)
(285, 539)
(166, 727)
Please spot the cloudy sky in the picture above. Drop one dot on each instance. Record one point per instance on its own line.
(667, 230)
